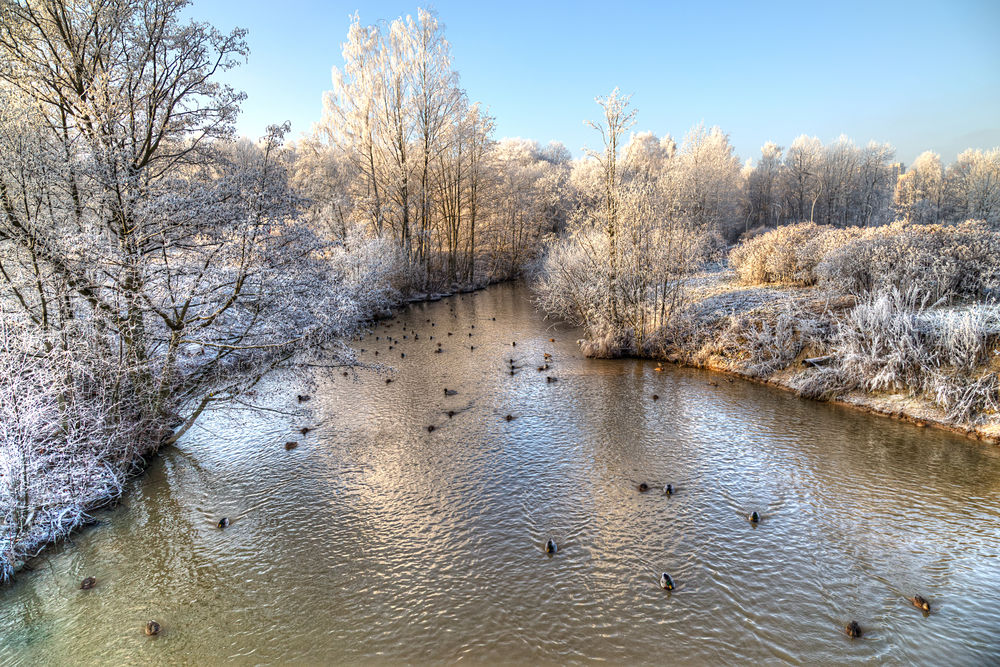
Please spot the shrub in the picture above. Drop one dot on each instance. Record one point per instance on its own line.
(787, 254)
(941, 262)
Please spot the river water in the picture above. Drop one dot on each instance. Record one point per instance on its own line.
(377, 541)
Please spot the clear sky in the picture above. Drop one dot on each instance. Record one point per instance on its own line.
(920, 75)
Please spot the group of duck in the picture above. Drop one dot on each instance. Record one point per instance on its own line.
(852, 629)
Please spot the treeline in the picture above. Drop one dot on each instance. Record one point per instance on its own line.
(845, 185)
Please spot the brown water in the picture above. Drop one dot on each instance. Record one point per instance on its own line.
(376, 541)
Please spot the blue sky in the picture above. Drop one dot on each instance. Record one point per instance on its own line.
(920, 75)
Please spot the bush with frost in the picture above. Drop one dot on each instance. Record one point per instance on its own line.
(939, 261)
(894, 341)
(765, 340)
(787, 254)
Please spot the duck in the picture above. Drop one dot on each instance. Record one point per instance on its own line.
(438, 351)
(430, 429)
(668, 490)
(152, 628)
(920, 602)
(305, 397)
(550, 546)
(853, 630)
(643, 487)
(509, 418)
(450, 413)
(552, 340)
(291, 444)
(754, 517)
(549, 378)
(472, 347)
(88, 583)
(541, 368)
(656, 397)
(223, 523)
(388, 380)
(666, 583)
(449, 392)
(546, 356)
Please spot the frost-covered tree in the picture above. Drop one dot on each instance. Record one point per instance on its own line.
(764, 200)
(920, 191)
(973, 185)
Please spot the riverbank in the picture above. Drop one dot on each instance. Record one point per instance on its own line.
(783, 336)
(57, 482)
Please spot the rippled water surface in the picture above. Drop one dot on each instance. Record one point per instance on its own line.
(377, 541)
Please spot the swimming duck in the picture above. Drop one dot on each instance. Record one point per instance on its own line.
(643, 487)
(546, 356)
(853, 630)
(449, 392)
(666, 583)
(552, 340)
(656, 397)
(223, 523)
(668, 490)
(291, 444)
(438, 351)
(509, 418)
(549, 378)
(920, 602)
(388, 380)
(88, 583)
(550, 546)
(450, 413)
(303, 398)
(754, 517)
(430, 429)
(152, 628)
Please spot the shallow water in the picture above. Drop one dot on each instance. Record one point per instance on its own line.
(376, 541)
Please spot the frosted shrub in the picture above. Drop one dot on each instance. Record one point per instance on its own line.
(879, 345)
(965, 399)
(765, 341)
(939, 261)
(787, 254)
(891, 342)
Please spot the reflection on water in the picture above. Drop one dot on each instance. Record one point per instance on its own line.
(378, 541)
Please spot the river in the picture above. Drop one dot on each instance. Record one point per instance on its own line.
(376, 540)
